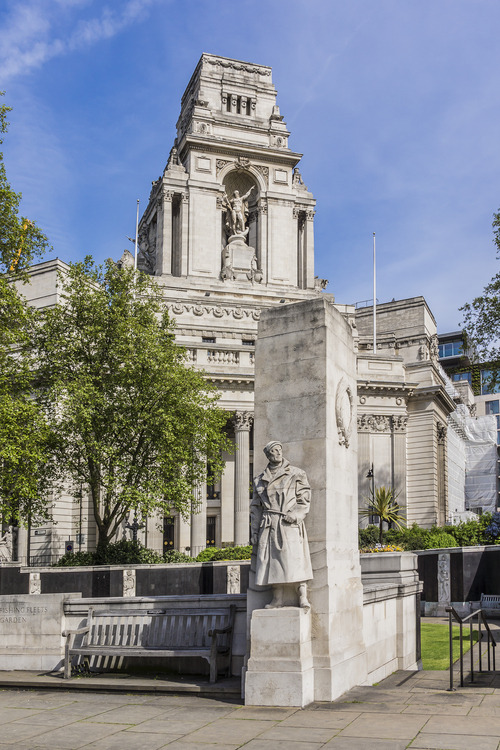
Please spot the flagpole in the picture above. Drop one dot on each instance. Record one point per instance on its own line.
(374, 299)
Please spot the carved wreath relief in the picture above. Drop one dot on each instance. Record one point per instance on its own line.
(344, 412)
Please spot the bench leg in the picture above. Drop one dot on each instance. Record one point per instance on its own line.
(213, 670)
(67, 663)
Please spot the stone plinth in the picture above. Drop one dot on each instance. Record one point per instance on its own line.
(280, 668)
(30, 631)
(305, 396)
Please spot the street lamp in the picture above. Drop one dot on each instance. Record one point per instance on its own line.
(371, 475)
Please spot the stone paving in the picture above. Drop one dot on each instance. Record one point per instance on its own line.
(407, 710)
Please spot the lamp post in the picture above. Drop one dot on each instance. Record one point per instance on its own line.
(371, 475)
(134, 527)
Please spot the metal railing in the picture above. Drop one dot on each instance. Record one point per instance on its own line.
(490, 645)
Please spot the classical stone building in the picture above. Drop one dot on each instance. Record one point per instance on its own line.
(229, 231)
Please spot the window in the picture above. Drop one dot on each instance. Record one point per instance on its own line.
(168, 533)
(456, 376)
(490, 382)
(249, 342)
(493, 407)
(208, 339)
(211, 523)
(451, 349)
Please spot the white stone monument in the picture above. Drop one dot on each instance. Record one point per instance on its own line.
(305, 391)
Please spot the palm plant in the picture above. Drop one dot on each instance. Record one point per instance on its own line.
(382, 503)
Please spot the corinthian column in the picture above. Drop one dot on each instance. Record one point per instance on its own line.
(199, 520)
(242, 422)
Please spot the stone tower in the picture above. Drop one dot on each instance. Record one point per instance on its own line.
(231, 211)
(228, 231)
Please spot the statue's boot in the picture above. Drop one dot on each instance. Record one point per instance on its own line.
(277, 600)
(303, 600)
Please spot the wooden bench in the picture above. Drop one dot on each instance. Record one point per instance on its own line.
(491, 604)
(161, 633)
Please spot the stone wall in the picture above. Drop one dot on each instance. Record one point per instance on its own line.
(134, 580)
(457, 576)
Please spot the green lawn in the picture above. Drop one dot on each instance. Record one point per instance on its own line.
(435, 644)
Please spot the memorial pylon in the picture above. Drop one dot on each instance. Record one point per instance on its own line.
(305, 395)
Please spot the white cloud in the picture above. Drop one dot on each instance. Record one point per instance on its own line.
(35, 31)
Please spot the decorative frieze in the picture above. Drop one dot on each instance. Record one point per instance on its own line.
(35, 583)
(382, 422)
(441, 433)
(443, 578)
(235, 65)
(242, 420)
(220, 164)
(238, 313)
(233, 579)
(399, 423)
(129, 582)
(264, 172)
(344, 412)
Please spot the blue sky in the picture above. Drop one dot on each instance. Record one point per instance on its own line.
(395, 105)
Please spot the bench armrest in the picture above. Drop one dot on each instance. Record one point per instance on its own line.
(219, 631)
(79, 631)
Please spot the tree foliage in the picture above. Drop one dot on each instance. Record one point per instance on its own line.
(382, 503)
(134, 424)
(481, 319)
(25, 436)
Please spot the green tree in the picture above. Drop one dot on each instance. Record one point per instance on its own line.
(481, 319)
(25, 435)
(383, 504)
(134, 423)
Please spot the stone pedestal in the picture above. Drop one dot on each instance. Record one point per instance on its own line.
(305, 396)
(280, 668)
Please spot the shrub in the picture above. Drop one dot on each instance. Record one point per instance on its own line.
(368, 537)
(75, 558)
(124, 552)
(410, 539)
(174, 556)
(492, 531)
(439, 538)
(226, 553)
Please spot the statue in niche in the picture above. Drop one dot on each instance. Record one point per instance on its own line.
(281, 501)
(237, 212)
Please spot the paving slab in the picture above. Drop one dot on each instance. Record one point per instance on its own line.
(404, 711)
(355, 743)
(388, 726)
(453, 742)
(260, 744)
(474, 726)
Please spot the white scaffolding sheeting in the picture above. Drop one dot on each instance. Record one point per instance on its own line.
(472, 460)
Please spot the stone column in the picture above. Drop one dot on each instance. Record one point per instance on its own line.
(164, 259)
(309, 249)
(399, 458)
(184, 229)
(199, 520)
(242, 421)
(442, 509)
(262, 245)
